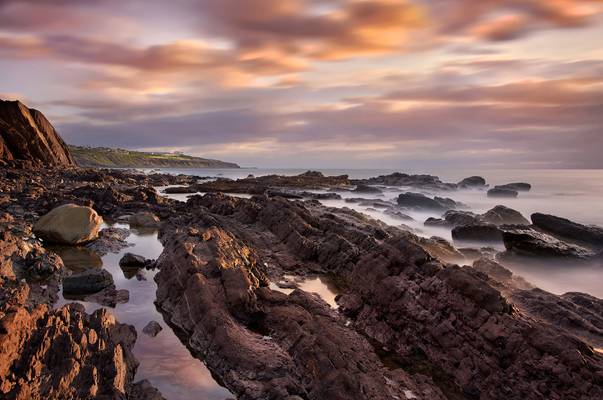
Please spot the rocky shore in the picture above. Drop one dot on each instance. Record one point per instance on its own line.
(409, 322)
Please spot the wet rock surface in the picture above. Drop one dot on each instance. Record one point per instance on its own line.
(408, 324)
(87, 282)
(400, 179)
(569, 230)
(449, 332)
(526, 241)
(56, 354)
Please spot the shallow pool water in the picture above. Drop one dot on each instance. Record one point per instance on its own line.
(164, 360)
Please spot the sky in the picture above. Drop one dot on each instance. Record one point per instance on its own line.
(317, 83)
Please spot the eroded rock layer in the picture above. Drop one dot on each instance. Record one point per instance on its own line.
(27, 138)
(440, 330)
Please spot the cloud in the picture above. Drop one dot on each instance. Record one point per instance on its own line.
(548, 123)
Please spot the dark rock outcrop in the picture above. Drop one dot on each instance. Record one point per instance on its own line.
(448, 330)
(472, 182)
(427, 182)
(501, 192)
(589, 235)
(420, 201)
(526, 241)
(28, 139)
(366, 189)
(87, 282)
(488, 233)
(516, 186)
(501, 215)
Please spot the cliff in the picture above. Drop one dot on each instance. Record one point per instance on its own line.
(27, 138)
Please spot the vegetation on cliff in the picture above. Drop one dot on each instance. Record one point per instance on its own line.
(120, 158)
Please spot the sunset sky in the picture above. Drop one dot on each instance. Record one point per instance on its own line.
(317, 83)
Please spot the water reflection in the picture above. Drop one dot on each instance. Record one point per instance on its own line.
(164, 360)
(321, 285)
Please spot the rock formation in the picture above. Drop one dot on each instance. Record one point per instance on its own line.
(27, 138)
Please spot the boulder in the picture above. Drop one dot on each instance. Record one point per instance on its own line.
(144, 219)
(477, 233)
(501, 215)
(69, 224)
(501, 192)
(87, 282)
(516, 186)
(472, 182)
(132, 261)
(528, 242)
(564, 228)
(152, 328)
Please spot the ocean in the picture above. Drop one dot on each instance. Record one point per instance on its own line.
(570, 193)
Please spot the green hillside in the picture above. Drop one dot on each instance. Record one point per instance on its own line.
(103, 157)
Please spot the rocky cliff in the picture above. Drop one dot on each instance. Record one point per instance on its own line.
(28, 138)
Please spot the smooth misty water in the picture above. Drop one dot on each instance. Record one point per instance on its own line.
(164, 360)
(573, 194)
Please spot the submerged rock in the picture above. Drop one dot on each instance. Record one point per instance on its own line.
(501, 192)
(69, 224)
(516, 186)
(87, 282)
(420, 201)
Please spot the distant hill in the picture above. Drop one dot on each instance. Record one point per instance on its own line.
(104, 157)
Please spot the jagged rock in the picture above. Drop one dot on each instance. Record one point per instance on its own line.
(528, 242)
(516, 186)
(577, 313)
(69, 224)
(502, 192)
(27, 138)
(501, 215)
(428, 182)
(589, 235)
(420, 201)
(397, 214)
(477, 233)
(87, 282)
(449, 322)
(152, 328)
(472, 182)
(144, 219)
